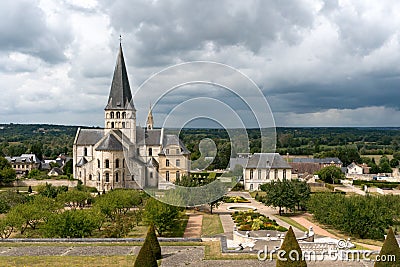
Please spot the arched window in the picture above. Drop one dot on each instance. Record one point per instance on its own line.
(90, 177)
(167, 176)
(112, 125)
(85, 151)
(124, 115)
(98, 176)
(251, 174)
(117, 163)
(118, 115)
(98, 163)
(123, 125)
(178, 175)
(150, 151)
(107, 177)
(107, 163)
(112, 115)
(116, 177)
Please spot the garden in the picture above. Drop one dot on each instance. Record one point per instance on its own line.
(235, 199)
(253, 221)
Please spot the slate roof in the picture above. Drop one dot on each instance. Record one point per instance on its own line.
(24, 158)
(148, 137)
(171, 139)
(110, 143)
(316, 160)
(120, 93)
(267, 161)
(82, 162)
(89, 136)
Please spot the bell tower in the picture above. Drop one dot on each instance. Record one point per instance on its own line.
(120, 112)
(150, 121)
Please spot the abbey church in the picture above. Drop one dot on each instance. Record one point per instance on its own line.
(124, 155)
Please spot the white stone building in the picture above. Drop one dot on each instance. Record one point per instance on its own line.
(262, 168)
(124, 155)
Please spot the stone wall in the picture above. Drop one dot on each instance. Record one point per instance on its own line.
(33, 182)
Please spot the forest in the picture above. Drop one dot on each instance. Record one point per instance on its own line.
(48, 141)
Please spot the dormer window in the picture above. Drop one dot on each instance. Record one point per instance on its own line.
(118, 104)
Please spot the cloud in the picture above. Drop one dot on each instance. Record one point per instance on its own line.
(315, 61)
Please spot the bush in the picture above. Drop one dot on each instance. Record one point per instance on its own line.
(390, 247)
(281, 229)
(151, 238)
(289, 245)
(145, 257)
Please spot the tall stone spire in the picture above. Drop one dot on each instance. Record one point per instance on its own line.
(120, 93)
(150, 121)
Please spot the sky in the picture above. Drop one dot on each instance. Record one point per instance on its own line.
(297, 63)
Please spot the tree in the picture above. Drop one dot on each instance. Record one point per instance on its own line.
(390, 248)
(331, 174)
(75, 198)
(7, 173)
(385, 167)
(292, 255)
(72, 223)
(67, 169)
(163, 216)
(279, 194)
(394, 163)
(37, 149)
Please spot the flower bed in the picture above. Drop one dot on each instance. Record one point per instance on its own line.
(253, 221)
(237, 199)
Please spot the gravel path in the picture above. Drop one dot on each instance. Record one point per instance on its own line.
(193, 227)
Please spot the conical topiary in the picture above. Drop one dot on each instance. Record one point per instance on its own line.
(390, 252)
(145, 258)
(290, 245)
(153, 241)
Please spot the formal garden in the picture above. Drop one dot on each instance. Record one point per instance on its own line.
(78, 212)
(253, 221)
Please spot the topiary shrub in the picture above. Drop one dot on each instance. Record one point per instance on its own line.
(390, 247)
(145, 257)
(290, 245)
(151, 238)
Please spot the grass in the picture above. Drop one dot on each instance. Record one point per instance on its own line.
(292, 222)
(74, 261)
(211, 225)
(212, 251)
(318, 189)
(260, 193)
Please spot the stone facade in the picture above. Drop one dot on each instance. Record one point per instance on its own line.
(124, 155)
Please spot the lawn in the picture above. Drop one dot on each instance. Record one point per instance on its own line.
(211, 225)
(74, 261)
(292, 222)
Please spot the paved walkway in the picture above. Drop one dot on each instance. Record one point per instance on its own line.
(319, 231)
(193, 227)
(227, 222)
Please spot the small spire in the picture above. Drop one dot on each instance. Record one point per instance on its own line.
(150, 121)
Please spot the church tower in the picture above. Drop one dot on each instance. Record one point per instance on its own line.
(150, 121)
(120, 112)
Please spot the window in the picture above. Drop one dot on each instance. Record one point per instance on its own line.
(123, 125)
(123, 163)
(178, 175)
(284, 174)
(267, 175)
(150, 151)
(112, 125)
(118, 115)
(167, 176)
(177, 151)
(251, 186)
(123, 115)
(167, 162)
(98, 163)
(259, 187)
(259, 174)
(107, 163)
(167, 151)
(276, 174)
(116, 177)
(85, 151)
(117, 163)
(251, 174)
(98, 177)
(112, 115)
(151, 174)
(133, 177)
(90, 177)
(178, 163)
(107, 177)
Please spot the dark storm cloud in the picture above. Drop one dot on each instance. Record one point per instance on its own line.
(24, 29)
